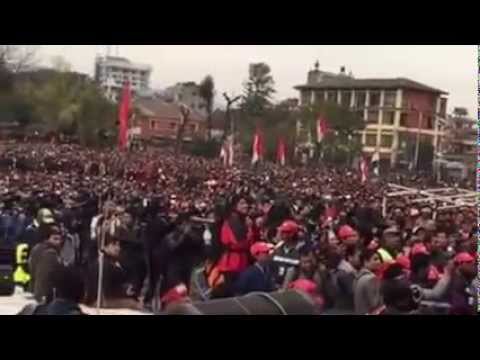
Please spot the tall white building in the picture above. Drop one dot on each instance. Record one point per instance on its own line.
(113, 72)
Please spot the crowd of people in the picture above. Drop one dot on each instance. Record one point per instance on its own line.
(174, 228)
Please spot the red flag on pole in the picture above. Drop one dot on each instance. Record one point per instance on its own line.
(281, 152)
(322, 129)
(364, 170)
(123, 117)
(257, 147)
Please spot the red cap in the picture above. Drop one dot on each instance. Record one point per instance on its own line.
(419, 249)
(178, 293)
(261, 248)
(305, 285)
(289, 227)
(308, 287)
(345, 232)
(464, 257)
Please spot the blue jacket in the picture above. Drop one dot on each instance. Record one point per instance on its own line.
(256, 278)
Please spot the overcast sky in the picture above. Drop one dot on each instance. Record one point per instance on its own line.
(450, 68)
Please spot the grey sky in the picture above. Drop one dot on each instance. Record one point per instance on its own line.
(448, 67)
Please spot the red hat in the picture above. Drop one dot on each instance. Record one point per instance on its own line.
(261, 248)
(463, 258)
(289, 227)
(308, 287)
(178, 293)
(305, 285)
(346, 231)
(419, 249)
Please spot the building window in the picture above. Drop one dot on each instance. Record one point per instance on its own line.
(371, 140)
(306, 96)
(405, 102)
(346, 98)
(173, 126)
(152, 125)
(387, 141)
(388, 117)
(443, 107)
(360, 114)
(193, 128)
(374, 98)
(403, 119)
(390, 99)
(332, 96)
(360, 99)
(319, 97)
(372, 117)
(429, 123)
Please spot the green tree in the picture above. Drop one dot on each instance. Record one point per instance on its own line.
(277, 122)
(207, 92)
(258, 90)
(340, 145)
(71, 104)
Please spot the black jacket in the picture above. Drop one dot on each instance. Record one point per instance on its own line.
(63, 307)
(115, 281)
(44, 261)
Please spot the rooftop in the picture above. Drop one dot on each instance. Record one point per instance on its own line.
(351, 83)
(123, 63)
(160, 108)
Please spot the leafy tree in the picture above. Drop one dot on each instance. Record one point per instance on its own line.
(340, 145)
(70, 103)
(277, 122)
(207, 92)
(258, 90)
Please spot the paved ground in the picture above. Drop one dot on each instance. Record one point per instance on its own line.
(11, 305)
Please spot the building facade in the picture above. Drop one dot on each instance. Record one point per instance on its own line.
(157, 120)
(460, 140)
(112, 73)
(398, 112)
(187, 93)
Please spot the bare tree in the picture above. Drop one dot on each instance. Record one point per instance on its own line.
(18, 58)
(228, 119)
(185, 112)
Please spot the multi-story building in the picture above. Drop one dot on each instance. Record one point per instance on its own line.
(111, 73)
(460, 140)
(397, 112)
(157, 120)
(187, 94)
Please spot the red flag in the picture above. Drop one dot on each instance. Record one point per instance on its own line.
(281, 152)
(322, 129)
(364, 170)
(124, 115)
(257, 147)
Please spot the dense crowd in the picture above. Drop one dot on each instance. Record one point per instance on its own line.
(174, 228)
